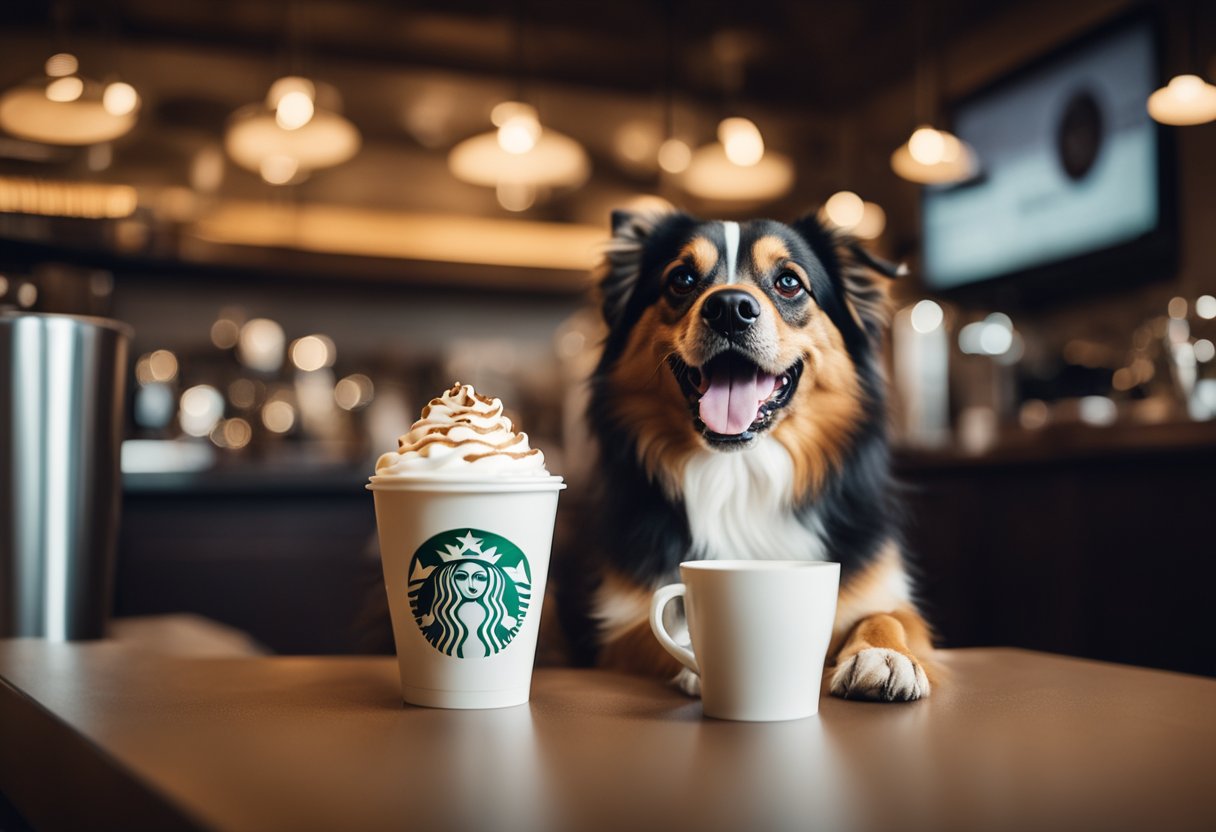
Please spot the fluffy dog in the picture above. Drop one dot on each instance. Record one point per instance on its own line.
(740, 410)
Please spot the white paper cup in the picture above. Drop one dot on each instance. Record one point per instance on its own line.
(759, 631)
(465, 566)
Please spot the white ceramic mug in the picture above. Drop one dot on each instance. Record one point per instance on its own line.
(759, 631)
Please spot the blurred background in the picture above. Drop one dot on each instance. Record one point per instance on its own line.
(317, 214)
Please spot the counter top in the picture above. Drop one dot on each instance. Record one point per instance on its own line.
(107, 735)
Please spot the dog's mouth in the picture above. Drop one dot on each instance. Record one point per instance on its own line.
(731, 398)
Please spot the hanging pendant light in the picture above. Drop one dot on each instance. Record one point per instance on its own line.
(738, 167)
(66, 108)
(931, 156)
(296, 130)
(934, 157)
(520, 159)
(1187, 99)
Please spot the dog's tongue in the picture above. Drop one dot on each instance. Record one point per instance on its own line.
(736, 390)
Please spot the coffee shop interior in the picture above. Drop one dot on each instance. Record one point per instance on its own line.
(312, 216)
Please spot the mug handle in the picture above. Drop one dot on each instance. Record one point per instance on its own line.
(662, 597)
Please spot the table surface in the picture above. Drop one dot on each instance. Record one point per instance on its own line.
(107, 735)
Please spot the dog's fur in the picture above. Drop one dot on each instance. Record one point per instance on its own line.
(809, 479)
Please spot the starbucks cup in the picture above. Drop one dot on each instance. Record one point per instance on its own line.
(465, 566)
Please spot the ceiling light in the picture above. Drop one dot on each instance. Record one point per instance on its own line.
(934, 157)
(292, 133)
(67, 109)
(1184, 101)
(520, 153)
(712, 175)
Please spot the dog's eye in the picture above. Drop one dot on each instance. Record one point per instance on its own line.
(788, 285)
(681, 281)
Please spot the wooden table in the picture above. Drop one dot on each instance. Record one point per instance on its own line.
(105, 735)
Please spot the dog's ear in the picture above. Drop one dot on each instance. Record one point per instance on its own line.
(622, 264)
(864, 277)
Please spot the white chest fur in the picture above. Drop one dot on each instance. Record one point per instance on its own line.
(738, 506)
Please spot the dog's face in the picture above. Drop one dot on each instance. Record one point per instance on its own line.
(722, 332)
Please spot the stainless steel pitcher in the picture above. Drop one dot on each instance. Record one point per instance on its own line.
(62, 382)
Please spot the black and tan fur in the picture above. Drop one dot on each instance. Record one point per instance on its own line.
(808, 480)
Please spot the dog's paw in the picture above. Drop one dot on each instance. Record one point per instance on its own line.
(881, 675)
(688, 683)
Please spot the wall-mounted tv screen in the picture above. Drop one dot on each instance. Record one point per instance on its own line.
(1072, 180)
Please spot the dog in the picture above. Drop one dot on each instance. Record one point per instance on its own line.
(739, 406)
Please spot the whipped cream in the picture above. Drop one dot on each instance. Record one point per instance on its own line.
(462, 433)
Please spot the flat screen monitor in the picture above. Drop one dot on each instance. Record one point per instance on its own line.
(1074, 183)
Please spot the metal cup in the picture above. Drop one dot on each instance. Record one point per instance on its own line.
(62, 382)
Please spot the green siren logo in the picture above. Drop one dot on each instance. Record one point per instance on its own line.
(469, 591)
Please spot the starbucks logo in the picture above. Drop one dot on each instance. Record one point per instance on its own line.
(469, 591)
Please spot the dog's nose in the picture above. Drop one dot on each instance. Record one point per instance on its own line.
(730, 312)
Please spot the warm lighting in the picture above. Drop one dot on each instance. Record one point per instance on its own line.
(674, 156)
(520, 131)
(712, 175)
(162, 366)
(741, 141)
(261, 345)
(278, 416)
(64, 90)
(927, 146)
(291, 133)
(312, 352)
(519, 153)
(61, 64)
(1205, 307)
(934, 157)
(292, 99)
(89, 200)
(354, 391)
(1177, 308)
(202, 407)
(844, 209)
(926, 317)
(294, 111)
(232, 434)
(66, 109)
(1186, 100)
(119, 99)
(873, 222)
(537, 248)
(1205, 350)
